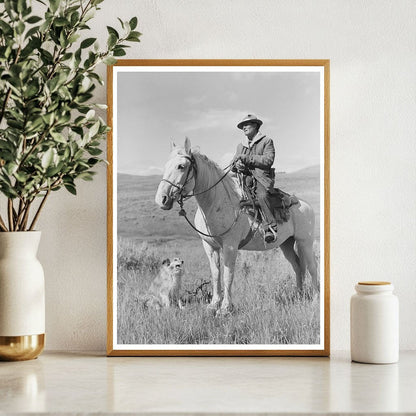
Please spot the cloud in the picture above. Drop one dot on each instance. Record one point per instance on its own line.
(209, 119)
(151, 170)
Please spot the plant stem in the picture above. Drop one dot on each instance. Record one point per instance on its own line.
(36, 144)
(10, 213)
(3, 109)
(17, 217)
(2, 224)
(20, 214)
(39, 209)
(26, 216)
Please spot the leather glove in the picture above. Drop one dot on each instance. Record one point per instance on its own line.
(240, 166)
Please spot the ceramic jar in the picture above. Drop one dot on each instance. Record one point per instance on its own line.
(22, 296)
(374, 323)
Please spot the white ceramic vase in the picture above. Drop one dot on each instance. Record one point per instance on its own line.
(22, 296)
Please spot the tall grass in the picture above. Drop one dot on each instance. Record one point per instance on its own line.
(268, 309)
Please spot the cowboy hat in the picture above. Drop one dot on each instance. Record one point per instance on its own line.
(250, 118)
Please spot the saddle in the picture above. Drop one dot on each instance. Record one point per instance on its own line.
(280, 201)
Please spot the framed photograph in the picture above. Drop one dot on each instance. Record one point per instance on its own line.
(218, 208)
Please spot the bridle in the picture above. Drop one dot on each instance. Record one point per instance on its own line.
(180, 187)
(180, 198)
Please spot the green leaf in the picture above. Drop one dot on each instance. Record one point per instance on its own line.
(11, 168)
(54, 4)
(90, 14)
(16, 124)
(33, 19)
(70, 188)
(112, 31)
(47, 158)
(58, 137)
(21, 6)
(134, 37)
(67, 153)
(94, 129)
(63, 41)
(52, 171)
(67, 56)
(133, 23)
(10, 7)
(8, 191)
(48, 118)
(61, 21)
(94, 151)
(121, 22)
(86, 176)
(87, 42)
(92, 161)
(21, 177)
(20, 28)
(5, 146)
(119, 52)
(110, 60)
(7, 30)
(90, 114)
(35, 125)
(53, 83)
(112, 41)
(73, 38)
(31, 90)
(74, 18)
(31, 32)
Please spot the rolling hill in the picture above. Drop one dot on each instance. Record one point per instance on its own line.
(139, 218)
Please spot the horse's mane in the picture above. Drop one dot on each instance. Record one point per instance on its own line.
(213, 167)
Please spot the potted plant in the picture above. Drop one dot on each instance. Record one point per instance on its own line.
(50, 136)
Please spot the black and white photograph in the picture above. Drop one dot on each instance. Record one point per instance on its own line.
(219, 216)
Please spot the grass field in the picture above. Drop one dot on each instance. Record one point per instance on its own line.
(268, 309)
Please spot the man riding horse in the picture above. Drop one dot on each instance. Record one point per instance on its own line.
(254, 159)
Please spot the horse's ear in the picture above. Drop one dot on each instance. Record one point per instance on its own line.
(187, 146)
(172, 144)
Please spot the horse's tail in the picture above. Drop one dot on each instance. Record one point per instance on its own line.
(304, 233)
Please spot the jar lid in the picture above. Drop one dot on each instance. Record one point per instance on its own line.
(374, 283)
(370, 287)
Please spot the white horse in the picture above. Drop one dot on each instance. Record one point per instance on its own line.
(222, 225)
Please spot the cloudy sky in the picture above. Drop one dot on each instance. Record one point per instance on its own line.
(154, 108)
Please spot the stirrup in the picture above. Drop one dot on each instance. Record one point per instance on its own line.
(273, 231)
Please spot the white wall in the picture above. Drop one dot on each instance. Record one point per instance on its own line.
(372, 48)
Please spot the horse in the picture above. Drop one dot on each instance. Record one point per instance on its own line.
(223, 225)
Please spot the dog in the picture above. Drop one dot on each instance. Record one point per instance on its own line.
(164, 292)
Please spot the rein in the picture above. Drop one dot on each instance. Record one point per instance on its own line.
(182, 197)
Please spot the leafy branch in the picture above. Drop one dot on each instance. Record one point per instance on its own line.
(50, 134)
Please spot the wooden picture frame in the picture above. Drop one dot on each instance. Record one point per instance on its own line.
(151, 102)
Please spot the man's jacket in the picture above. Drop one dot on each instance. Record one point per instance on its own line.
(261, 155)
